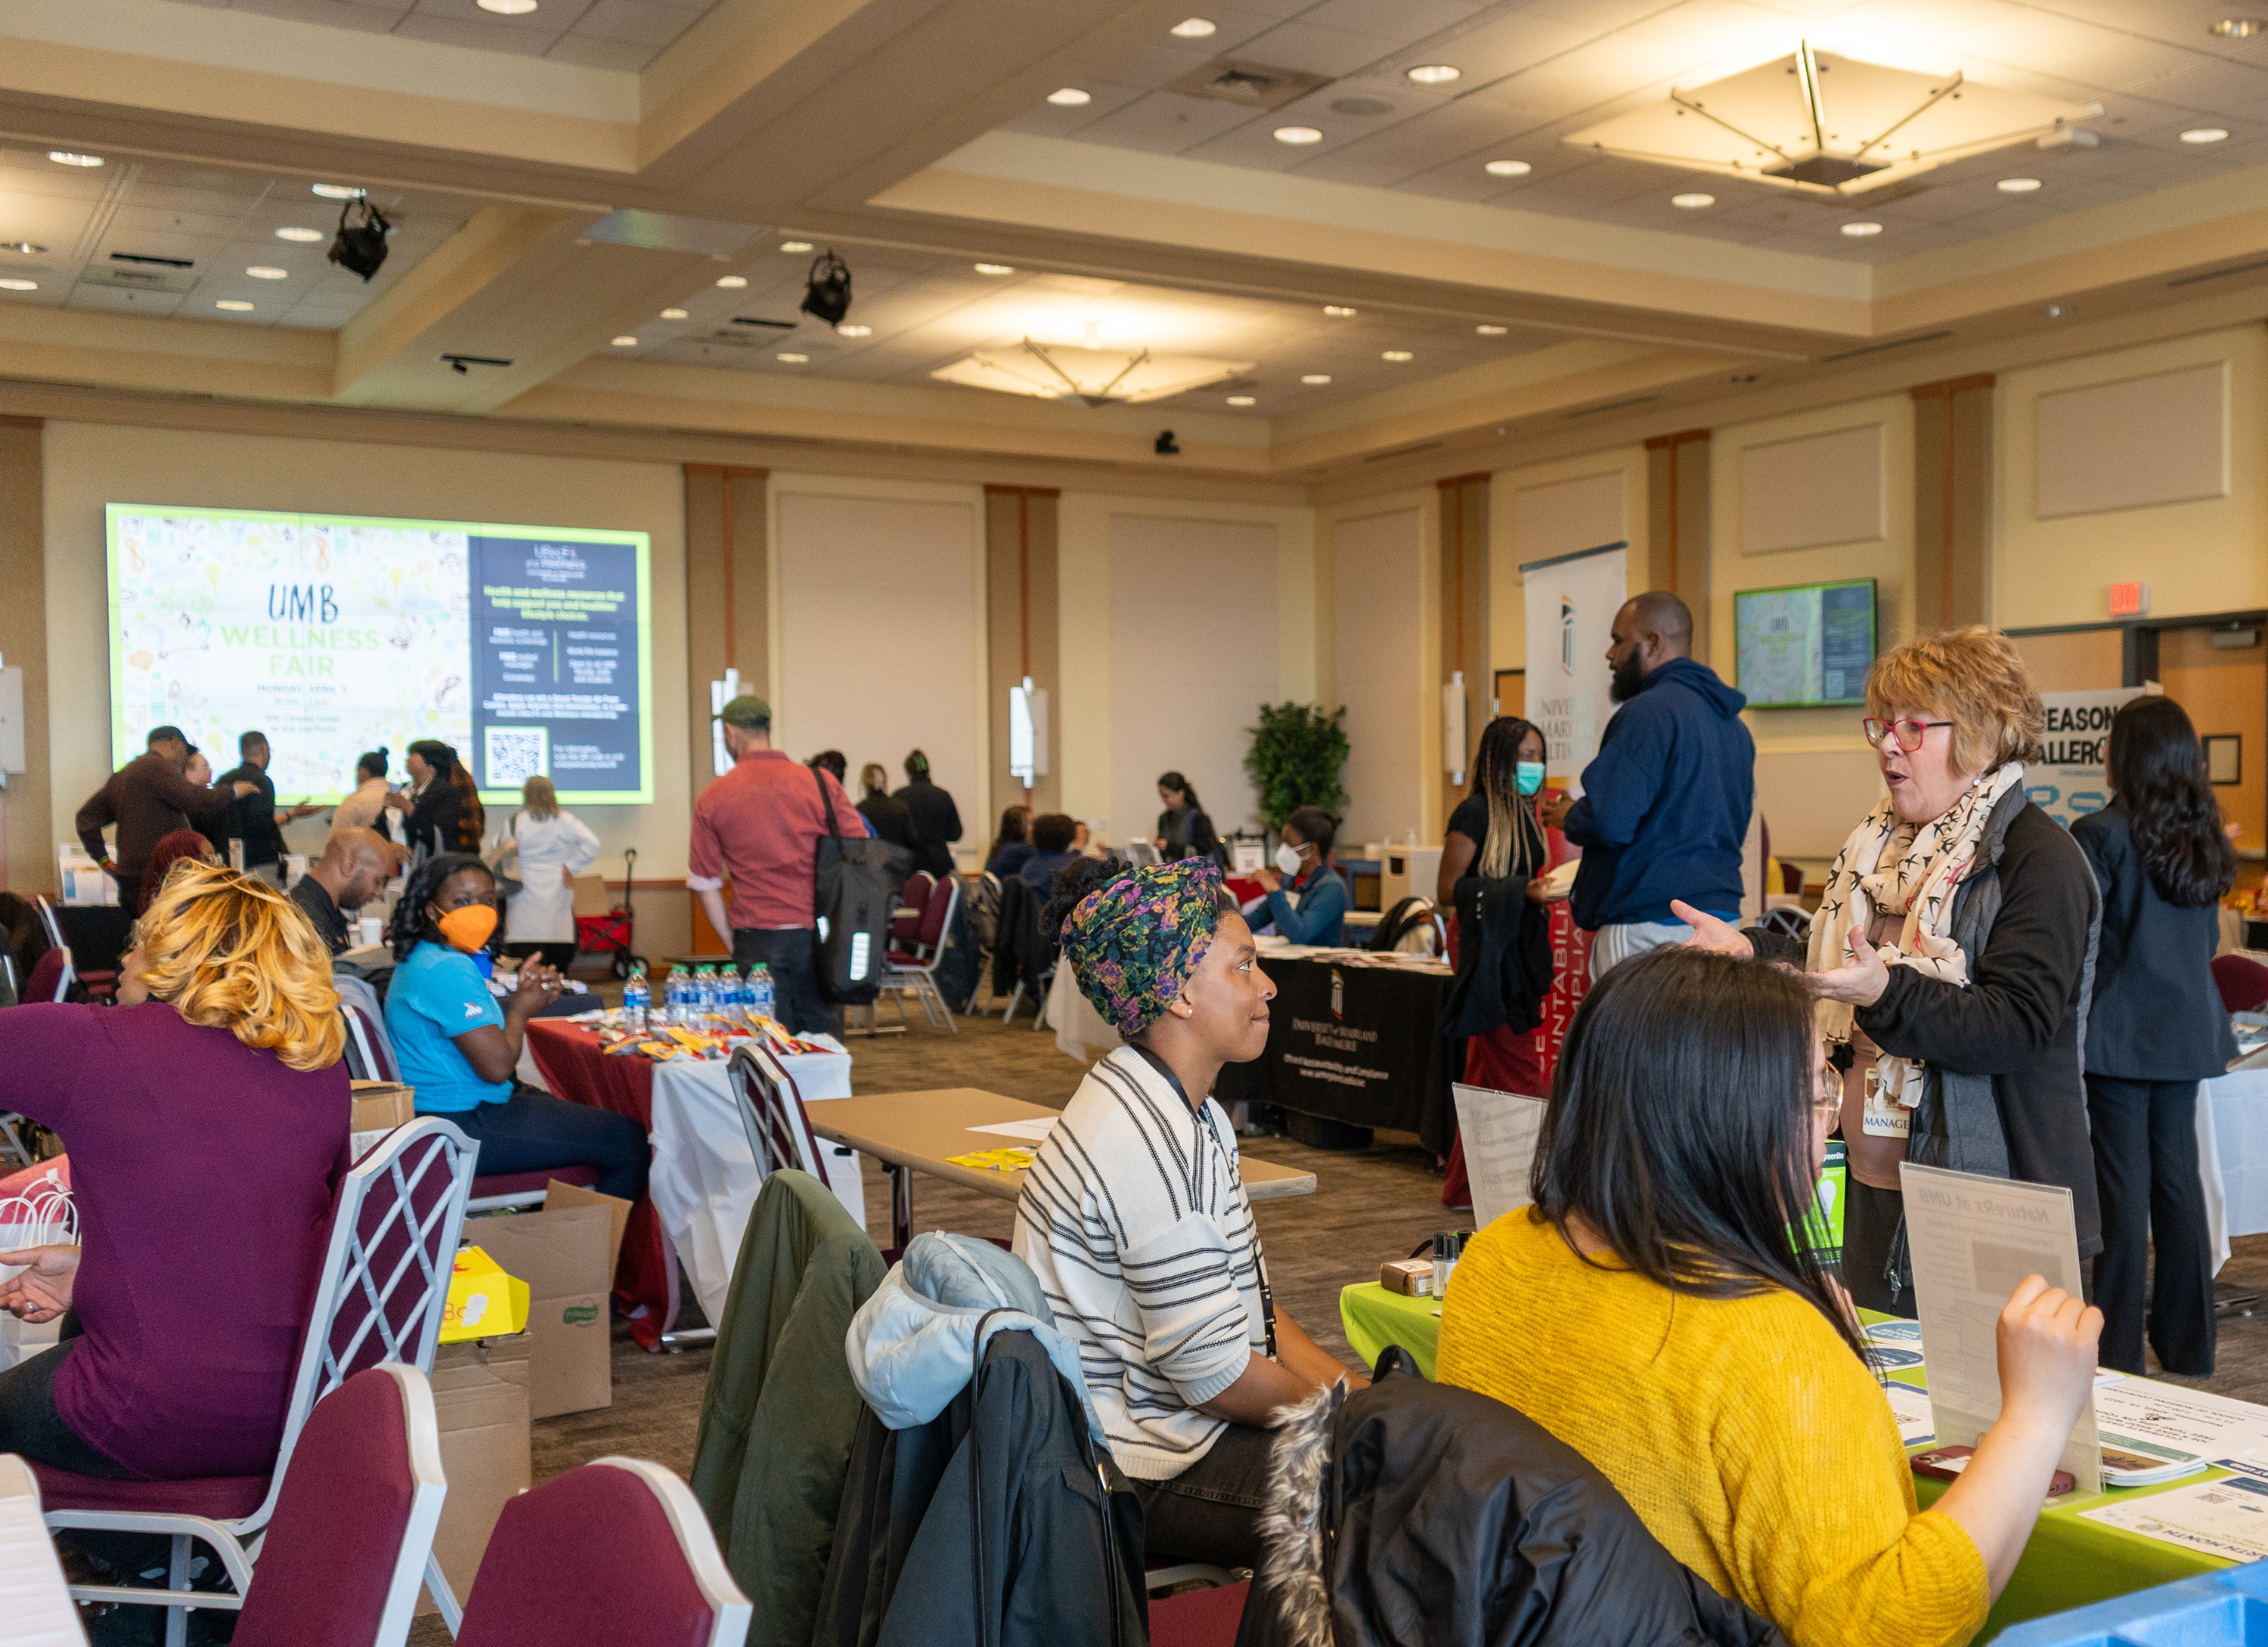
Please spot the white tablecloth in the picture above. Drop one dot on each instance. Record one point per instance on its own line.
(705, 1178)
(1080, 1032)
(2232, 1127)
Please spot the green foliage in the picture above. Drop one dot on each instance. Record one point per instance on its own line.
(1298, 753)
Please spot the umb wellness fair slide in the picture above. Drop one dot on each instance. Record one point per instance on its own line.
(524, 648)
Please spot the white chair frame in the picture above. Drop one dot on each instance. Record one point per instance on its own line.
(54, 929)
(348, 1279)
(920, 981)
(431, 1487)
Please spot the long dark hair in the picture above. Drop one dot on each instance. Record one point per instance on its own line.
(471, 817)
(2157, 767)
(1514, 843)
(1015, 826)
(411, 925)
(1318, 828)
(1176, 781)
(1679, 1128)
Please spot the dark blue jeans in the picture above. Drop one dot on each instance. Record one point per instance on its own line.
(533, 1132)
(791, 953)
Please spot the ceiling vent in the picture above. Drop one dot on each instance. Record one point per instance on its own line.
(133, 278)
(1248, 84)
(1876, 349)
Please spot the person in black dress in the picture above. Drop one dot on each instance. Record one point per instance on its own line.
(2155, 1030)
(936, 820)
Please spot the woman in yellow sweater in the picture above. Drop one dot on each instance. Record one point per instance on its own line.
(1652, 1311)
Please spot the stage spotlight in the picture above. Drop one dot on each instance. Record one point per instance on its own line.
(360, 247)
(826, 295)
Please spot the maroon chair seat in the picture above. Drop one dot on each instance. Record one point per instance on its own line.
(46, 974)
(1198, 1618)
(2242, 980)
(217, 1497)
(525, 1183)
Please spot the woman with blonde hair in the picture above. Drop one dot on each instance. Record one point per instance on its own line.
(1951, 954)
(207, 1118)
(544, 848)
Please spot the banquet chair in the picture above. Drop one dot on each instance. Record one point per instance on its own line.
(385, 1279)
(912, 970)
(1198, 1618)
(96, 984)
(353, 1524)
(2243, 983)
(51, 976)
(617, 1551)
(35, 1605)
(913, 899)
(771, 1109)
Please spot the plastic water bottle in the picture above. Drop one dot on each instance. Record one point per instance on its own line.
(732, 994)
(704, 987)
(673, 997)
(761, 999)
(637, 1000)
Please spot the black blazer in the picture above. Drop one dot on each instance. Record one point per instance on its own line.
(2156, 1015)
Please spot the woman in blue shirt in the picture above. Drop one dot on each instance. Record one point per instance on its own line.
(1304, 854)
(459, 1050)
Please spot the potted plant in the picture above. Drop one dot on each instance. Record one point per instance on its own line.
(1298, 753)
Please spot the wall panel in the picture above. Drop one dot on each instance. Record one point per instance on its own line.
(1380, 667)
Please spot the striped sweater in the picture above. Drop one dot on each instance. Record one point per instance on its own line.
(1134, 1219)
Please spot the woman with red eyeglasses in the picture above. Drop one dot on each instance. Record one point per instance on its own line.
(1949, 955)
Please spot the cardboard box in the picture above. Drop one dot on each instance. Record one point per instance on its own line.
(566, 1253)
(1412, 1278)
(480, 1400)
(382, 1105)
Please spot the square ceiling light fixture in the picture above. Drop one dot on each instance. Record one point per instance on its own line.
(1837, 128)
(1092, 377)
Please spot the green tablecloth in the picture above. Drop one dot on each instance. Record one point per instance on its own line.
(2069, 1562)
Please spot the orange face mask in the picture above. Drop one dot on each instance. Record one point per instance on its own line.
(470, 927)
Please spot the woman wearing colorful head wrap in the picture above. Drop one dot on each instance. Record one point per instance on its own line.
(1134, 1215)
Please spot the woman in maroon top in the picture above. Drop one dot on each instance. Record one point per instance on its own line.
(206, 1116)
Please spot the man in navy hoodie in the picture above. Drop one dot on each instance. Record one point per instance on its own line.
(1665, 802)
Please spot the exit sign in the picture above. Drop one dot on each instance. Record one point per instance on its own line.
(2129, 600)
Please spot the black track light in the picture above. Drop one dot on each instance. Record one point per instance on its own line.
(826, 295)
(360, 248)
(1165, 446)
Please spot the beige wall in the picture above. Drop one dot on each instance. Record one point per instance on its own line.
(1525, 526)
(1387, 667)
(2203, 555)
(89, 465)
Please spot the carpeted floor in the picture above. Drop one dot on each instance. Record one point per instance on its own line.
(1369, 1206)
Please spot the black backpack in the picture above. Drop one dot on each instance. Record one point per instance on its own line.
(856, 881)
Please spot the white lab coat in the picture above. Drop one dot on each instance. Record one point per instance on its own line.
(543, 911)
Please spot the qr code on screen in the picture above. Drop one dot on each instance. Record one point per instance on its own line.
(513, 754)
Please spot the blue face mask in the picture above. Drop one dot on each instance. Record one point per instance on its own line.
(1531, 777)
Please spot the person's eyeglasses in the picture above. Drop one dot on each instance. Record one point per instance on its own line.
(1909, 734)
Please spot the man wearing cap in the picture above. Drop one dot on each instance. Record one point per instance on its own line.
(760, 826)
(148, 798)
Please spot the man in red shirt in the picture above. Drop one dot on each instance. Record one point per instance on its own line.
(760, 826)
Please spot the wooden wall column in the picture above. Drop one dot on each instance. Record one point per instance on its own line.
(1677, 523)
(727, 585)
(1465, 644)
(1953, 500)
(28, 861)
(1021, 637)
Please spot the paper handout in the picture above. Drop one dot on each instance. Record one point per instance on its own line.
(1500, 1131)
(1034, 1130)
(1973, 1238)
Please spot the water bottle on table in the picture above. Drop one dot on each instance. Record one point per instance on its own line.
(761, 998)
(673, 997)
(637, 1000)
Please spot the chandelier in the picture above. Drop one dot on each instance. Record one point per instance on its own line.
(1090, 375)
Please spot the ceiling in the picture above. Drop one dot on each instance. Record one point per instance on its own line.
(559, 179)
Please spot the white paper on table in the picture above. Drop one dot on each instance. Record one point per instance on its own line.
(2166, 1421)
(1911, 1408)
(1973, 1238)
(1034, 1130)
(2228, 1519)
(1500, 1130)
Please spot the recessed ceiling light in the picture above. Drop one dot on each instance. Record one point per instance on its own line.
(1396, 353)
(1507, 168)
(1239, 400)
(1194, 28)
(1692, 202)
(795, 245)
(996, 268)
(1432, 73)
(64, 156)
(1742, 376)
(1316, 377)
(626, 342)
(339, 191)
(303, 236)
(2238, 27)
(673, 314)
(1338, 310)
(1297, 134)
(19, 285)
(24, 246)
(2017, 185)
(792, 360)
(1070, 97)
(1860, 230)
(268, 271)
(2196, 134)
(733, 282)
(509, 8)
(2055, 310)
(234, 305)
(1490, 331)
(854, 331)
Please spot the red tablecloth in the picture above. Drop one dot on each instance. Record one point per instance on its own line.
(574, 1069)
